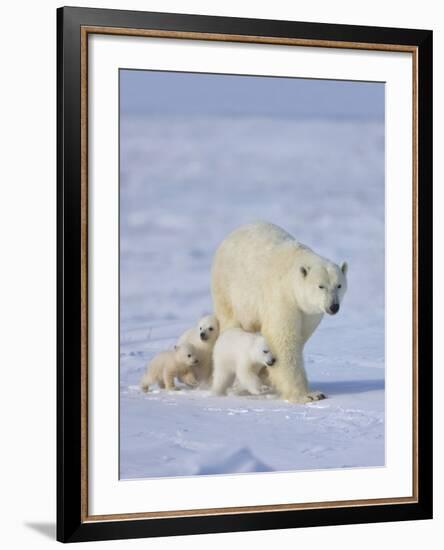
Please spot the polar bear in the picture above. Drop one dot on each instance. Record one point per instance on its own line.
(263, 280)
(203, 337)
(164, 367)
(242, 355)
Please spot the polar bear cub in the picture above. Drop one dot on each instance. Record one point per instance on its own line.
(242, 355)
(202, 337)
(167, 365)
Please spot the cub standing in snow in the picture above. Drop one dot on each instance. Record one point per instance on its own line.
(202, 337)
(242, 355)
(167, 365)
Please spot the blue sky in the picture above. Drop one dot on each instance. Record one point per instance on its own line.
(173, 93)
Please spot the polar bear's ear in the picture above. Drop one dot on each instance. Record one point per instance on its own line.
(344, 268)
(304, 271)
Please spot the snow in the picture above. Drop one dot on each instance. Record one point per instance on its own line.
(185, 183)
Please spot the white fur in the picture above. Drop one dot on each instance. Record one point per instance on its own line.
(242, 355)
(181, 363)
(263, 280)
(202, 337)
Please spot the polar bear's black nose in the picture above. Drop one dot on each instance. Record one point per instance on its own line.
(203, 336)
(271, 362)
(334, 308)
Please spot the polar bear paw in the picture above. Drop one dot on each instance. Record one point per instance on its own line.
(315, 396)
(306, 398)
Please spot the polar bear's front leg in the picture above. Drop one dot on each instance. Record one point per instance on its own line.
(168, 380)
(249, 380)
(288, 375)
(290, 380)
(145, 382)
(222, 380)
(189, 379)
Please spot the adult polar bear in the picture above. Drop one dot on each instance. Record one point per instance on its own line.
(263, 280)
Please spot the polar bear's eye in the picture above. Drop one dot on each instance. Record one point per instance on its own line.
(339, 286)
(321, 287)
(265, 350)
(211, 328)
(189, 355)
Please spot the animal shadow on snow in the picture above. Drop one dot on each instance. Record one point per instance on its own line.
(342, 387)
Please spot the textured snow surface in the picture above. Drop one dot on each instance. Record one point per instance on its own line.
(185, 183)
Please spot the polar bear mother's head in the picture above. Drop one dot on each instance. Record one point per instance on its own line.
(321, 287)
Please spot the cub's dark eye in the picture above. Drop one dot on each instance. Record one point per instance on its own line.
(265, 350)
(321, 287)
(211, 328)
(339, 286)
(189, 355)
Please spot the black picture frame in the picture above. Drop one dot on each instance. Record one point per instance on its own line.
(71, 523)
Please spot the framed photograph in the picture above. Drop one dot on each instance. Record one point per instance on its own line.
(244, 274)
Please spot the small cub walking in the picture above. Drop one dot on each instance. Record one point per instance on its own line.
(167, 365)
(243, 355)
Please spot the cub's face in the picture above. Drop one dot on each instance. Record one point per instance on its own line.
(208, 329)
(186, 354)
(261, 353)
(320, 289)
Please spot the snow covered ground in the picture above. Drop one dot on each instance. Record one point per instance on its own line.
(185, 183)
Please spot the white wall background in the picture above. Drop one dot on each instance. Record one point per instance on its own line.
(27, 275)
